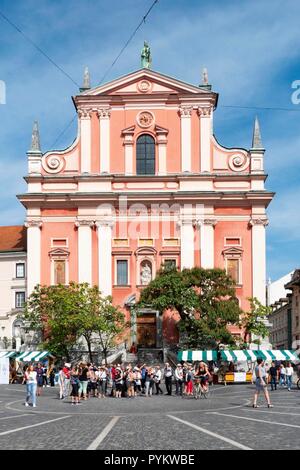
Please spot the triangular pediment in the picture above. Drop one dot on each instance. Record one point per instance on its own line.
(145, 82)
(59, 253)
(232, 251)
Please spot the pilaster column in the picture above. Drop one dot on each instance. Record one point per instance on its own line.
(128, 149)
(84, 250)
(186, 138)
(33, 254)
(104, 229)
(207, 243)
(85, 139)
(258, 225)
(162, 141)
(104, 125)
(186, 243)
(205, 136)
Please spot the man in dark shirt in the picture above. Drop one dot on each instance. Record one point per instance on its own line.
(273, 372)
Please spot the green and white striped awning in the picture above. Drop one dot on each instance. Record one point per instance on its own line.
(239, 355)
(7, 354)
(32, 356)
(198, 355)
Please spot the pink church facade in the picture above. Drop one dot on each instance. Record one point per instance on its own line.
(145, 183)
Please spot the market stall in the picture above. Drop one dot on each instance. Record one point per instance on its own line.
(236, 366)
(5, 366)
(33, 356)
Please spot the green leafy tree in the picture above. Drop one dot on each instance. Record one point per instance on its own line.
(254, 321)
(205, 300)
(65, 314)
(99, 322)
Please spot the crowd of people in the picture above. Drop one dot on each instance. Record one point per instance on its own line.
(85, 380)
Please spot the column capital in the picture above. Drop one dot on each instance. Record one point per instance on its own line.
(29, 223)
(85, 113)
(259, 221)
(84, 223)
(210, 222)
(105, 223)
(186, 221)
(185, 111)
(204, 111)
(104, 113)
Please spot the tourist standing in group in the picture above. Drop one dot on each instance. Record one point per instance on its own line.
(51, 375)
(188, 381)
(179, 379)
(45, 376)
(102, 379)
(67, 375)
(92, 383)
(113, 380)
(168, 374)
(83, 380)
(149, 382)
(282, 375)
(273, 376)
(138, 381)
(143, 379)
(261, 383)
(40, 378)
(31, 385)
(75, 384)
(119, 382)
(131, 383)
(61, 383)
(157, 380)
(289, 371)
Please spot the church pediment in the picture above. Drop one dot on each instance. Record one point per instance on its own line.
(233, 252)
(144, 82)
(59, 253)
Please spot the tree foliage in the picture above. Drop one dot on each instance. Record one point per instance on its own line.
(205, 300)
(66, 314)
(254, 321)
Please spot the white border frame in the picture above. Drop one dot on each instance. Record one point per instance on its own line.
(232, 236)
(60, 238)
(240, 280)
(121, 258)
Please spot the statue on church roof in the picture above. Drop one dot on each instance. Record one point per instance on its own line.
(146, 59)
(205, 76)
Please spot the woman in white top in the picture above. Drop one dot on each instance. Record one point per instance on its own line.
(282, 375)
(289, 375)
(102, 377)
(31, 385)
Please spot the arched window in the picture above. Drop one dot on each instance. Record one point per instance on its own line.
(145, 155)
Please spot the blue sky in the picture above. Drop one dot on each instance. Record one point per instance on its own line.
(251, 50)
